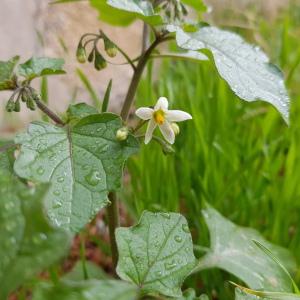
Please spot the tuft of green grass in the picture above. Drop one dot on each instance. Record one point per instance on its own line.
(240, 157)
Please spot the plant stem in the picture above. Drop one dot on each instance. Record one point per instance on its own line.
(49, 112)
(137, 76)
(113, 223)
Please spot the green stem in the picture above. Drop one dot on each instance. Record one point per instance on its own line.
(113, 210)
(137, 76)
(48, 112)
(113, 223)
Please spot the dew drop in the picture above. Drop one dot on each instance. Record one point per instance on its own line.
(158, 273)
(93, 178)
(60, 179)
(40, 171)
(56, 193)
(185, 228)
(57, 204)
(170, 265)
(178, 239)
(165, 215)
(39, 238)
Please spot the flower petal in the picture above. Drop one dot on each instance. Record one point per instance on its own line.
(144, 113)
(167, 132)
(177, 115)
(162, 103)
(149, 132)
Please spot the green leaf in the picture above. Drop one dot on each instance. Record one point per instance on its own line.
(78, 274)
(233, 250)
(28, 244)
(245, 67)
(156, 254)
(190, 294)
(189, 55)
(6, 158)
(80, 110)
(124, 12)
(7, 73)
(242, 293)
(196, 4)
(86, 290)
(41, 66)
(82, 162)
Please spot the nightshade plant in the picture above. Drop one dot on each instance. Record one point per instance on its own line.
(57, 175)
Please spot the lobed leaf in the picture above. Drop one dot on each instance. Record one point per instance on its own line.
(83, 162)
(233, 250)
(246, 68)
(28, 244)
(41, 66)
(124, 12)
(156, 254)
(86, 290)
(80, 110)
(7, 73)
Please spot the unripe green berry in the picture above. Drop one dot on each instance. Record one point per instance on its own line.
(122, 134)
(10, 106)
(17, 107)
(81, 54)
(100, 62)
(30, 103)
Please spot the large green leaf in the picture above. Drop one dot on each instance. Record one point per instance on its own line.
(245, 67)
(82, 162)
(248, 294)
(156, 254)
(86, 290)
(7, 73)
(233, 250)
(90, 270)
(41, 66)
(28, 244)
(124, 12)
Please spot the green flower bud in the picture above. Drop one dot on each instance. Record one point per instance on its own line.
(30, 103)
(17, 107)
(110, 48)
(10, 106)
(175, 128)
(122, 134)
(91, 56)
(24, 97)
(81, 54)
(100, 62)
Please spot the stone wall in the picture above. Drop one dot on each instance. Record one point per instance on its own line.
(33, 27)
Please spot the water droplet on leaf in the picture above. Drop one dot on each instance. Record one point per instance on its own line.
(93, 178)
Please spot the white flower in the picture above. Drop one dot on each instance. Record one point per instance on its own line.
(163, 118)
